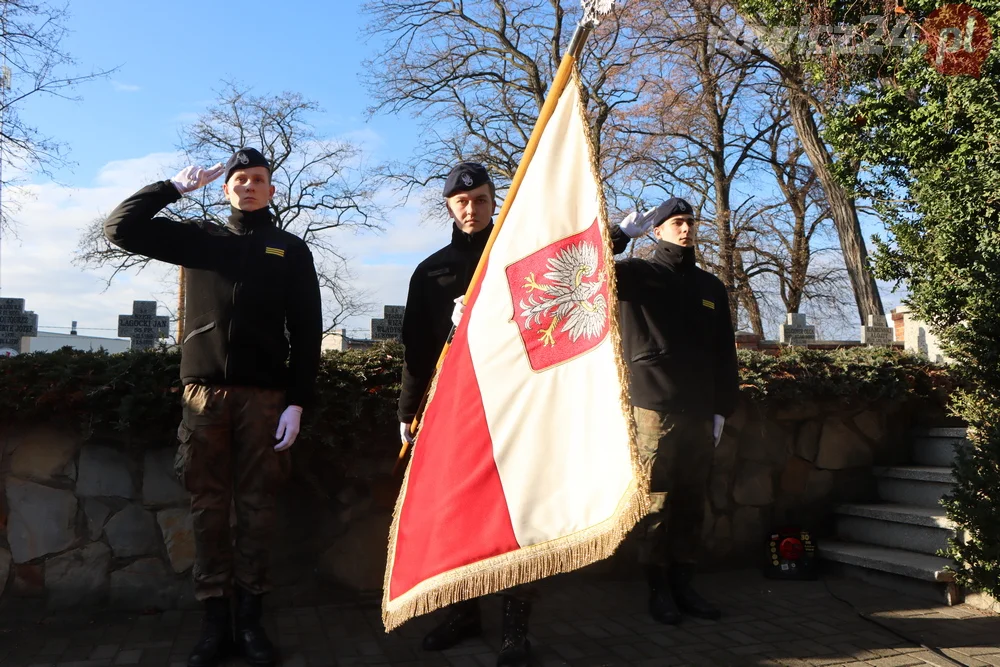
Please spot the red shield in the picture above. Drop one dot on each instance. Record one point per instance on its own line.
(560, 298)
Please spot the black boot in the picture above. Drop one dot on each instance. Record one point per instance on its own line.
(661, 602)
(461, 622)
(251, 641)
(216, 642)
(514, 647)
(687, 598)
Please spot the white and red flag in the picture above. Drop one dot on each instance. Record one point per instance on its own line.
(525, 463)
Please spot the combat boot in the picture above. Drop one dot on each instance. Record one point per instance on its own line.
(251, 640)
(687, 598)
(661, 601)
(462, 622)
(216, 642)
(514, 646)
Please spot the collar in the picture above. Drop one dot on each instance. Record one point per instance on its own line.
(673, 256)
(476, 241)
(244, 222)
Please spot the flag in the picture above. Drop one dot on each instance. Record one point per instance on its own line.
(525, 463)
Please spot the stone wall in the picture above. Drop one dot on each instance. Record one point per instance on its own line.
(104, 521)
(89, 523)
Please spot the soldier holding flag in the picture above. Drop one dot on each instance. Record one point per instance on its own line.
(433, 306)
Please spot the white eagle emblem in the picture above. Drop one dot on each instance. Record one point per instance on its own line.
(568, 297)
(467, 180)
(242, 157)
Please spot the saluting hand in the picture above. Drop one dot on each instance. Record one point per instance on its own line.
(636, 224)
(192, 178)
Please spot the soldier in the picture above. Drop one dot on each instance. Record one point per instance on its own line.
(246, 283)
(680, 348)
(433, 306)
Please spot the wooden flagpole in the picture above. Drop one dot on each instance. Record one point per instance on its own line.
(562, 77)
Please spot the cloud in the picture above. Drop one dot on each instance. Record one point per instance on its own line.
(38, 264)
(125, 87)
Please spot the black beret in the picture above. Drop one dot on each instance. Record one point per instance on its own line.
(465, 176)
(244, 159)
(670, 208)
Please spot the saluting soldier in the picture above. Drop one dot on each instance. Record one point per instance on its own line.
(680, 347)
(246, 382)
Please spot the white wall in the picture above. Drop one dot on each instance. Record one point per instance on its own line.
(50, 342)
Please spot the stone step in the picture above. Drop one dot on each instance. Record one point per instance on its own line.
(946, 432)
(893, 561)
(930, 517)
(923, 486)
(944, 593)
(912, 492)
(938, 452)
(878, 532)
(941, 474)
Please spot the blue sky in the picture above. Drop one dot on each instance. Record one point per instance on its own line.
(123, 134)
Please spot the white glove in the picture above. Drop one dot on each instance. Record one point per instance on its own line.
(404, 433)
(288, 427)
(192, 178)
(718, 423)
(456, 315)
(635, 224)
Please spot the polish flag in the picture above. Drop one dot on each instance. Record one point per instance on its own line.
(525, 463)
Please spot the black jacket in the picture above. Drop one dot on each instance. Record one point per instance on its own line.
(245, 283)
(677, 332)
(436, 283)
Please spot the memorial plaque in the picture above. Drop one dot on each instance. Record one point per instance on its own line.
(390, 325)
(877, 335)
(143, 326)
(15, 323)
(795, 331)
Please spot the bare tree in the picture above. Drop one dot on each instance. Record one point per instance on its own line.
(321, 186)
(782, 50)
(476, 74)
(32, 64)
(696, 132)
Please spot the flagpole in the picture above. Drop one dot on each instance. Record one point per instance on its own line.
(562, 78)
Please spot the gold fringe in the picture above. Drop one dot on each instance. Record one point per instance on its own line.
(538, 561)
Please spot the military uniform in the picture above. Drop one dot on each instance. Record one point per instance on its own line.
(679, 344)
(427, 323)
(252, 347)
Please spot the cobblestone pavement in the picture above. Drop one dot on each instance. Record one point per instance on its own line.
(577, 621)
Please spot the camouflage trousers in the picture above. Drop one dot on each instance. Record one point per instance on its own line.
(226, 460)
(677, 451)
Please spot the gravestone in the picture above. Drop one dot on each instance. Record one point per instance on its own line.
(875, 334)
(390, 326)
(143, 326)
(15, 324)
(795, 331)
